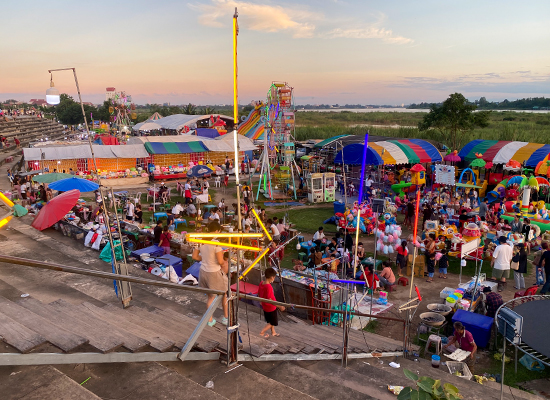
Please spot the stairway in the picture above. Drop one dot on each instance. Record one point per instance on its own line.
(67, 313)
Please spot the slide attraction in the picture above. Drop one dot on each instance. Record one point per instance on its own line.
(253, 125)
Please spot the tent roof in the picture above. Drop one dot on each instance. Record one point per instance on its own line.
(328, 141)
(353, 155)
(392, 152)
(178, 121)
(83, 151)
(174, 147)
(207, 132)
(502, 151)
(222, 143)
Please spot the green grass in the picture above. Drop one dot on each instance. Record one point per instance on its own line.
(511, 378)
(518, 126)
(306, 220)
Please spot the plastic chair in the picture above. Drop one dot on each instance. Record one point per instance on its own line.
(531, 291)
(137, 199)
(436, 341)
(403, 281)
(217, 181)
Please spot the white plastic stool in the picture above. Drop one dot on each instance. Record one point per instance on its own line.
(436, 340)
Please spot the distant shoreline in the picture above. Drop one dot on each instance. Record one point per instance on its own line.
(403, 110)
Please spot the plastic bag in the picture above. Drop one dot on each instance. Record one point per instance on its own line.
(531, 364)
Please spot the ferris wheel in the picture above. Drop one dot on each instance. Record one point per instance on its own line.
(122, 112)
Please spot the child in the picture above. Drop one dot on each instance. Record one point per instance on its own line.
(265, 291)
(443, 264)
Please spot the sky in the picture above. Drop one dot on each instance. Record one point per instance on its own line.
(329, 51)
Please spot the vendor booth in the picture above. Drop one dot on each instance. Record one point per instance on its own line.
(113, 161)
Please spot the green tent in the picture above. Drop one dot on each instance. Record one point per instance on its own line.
(49, 178)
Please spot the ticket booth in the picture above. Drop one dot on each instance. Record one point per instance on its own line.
(330, 187)
(315, 188)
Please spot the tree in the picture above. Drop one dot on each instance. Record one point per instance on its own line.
(453, 119)
(207, 110)
(190, 109)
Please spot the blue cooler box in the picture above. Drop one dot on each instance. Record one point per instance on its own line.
(339, 207)
(478, 325)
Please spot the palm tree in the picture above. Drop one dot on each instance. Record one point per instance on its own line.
(208, 110)
(190, 109)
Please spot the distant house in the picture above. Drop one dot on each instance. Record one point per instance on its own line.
(38, 102)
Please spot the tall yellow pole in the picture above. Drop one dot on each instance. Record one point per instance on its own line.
(235, 92)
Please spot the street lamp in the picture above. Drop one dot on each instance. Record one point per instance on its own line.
(52, 94)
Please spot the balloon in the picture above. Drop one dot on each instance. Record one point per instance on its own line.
(396, 235)
(390, 249)
(382, 236)
(391, 239)
(378, 233)
(386, 250)
(387, 229)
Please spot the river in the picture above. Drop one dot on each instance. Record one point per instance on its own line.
(404, 110)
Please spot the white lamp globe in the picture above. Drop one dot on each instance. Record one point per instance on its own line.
(52, 95)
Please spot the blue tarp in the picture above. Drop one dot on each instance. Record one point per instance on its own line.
(207, 132)
(353, 155)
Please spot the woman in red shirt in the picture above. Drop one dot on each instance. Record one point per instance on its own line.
(371, 277)
(265, 291)
(402, 253)
(165, 237)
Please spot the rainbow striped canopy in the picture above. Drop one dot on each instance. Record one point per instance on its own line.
(391, 152)
(502, 151)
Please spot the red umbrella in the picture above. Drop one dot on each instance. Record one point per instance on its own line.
(55, 209)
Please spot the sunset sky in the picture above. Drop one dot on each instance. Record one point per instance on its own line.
(330, 51)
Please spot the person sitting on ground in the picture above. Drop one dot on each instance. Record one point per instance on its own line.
(318, 236)
(332, 248)
(315, 257)
(265, 291)
(370, 277)
(360, 251)
(177, 209)
(386, 276)
(465, 341)
(169, 218)
(492, 301)
(191, 210)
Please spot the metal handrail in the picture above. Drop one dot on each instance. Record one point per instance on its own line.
(103, 274)
(146, 281)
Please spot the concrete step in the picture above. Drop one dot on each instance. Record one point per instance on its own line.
(40, 383)
(306, 381)
(395, 376)
(137, 381)
(238, 382)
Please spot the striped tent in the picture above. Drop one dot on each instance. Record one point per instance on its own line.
(174, 147)
(155, 116)
(392, 152)
(502, 151)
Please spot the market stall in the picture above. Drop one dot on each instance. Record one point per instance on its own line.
(113, 161)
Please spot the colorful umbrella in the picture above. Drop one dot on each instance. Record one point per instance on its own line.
(73, 182)
(478, 162)
(55, 209)
(453, 157)
(542, 181)
(198, 171)
(52, 177)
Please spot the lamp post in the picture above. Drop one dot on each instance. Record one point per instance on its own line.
(124, 288)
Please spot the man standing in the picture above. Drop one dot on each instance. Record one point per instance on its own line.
(483, 209)
(465, 341)
(502, 256)
(492, 302)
